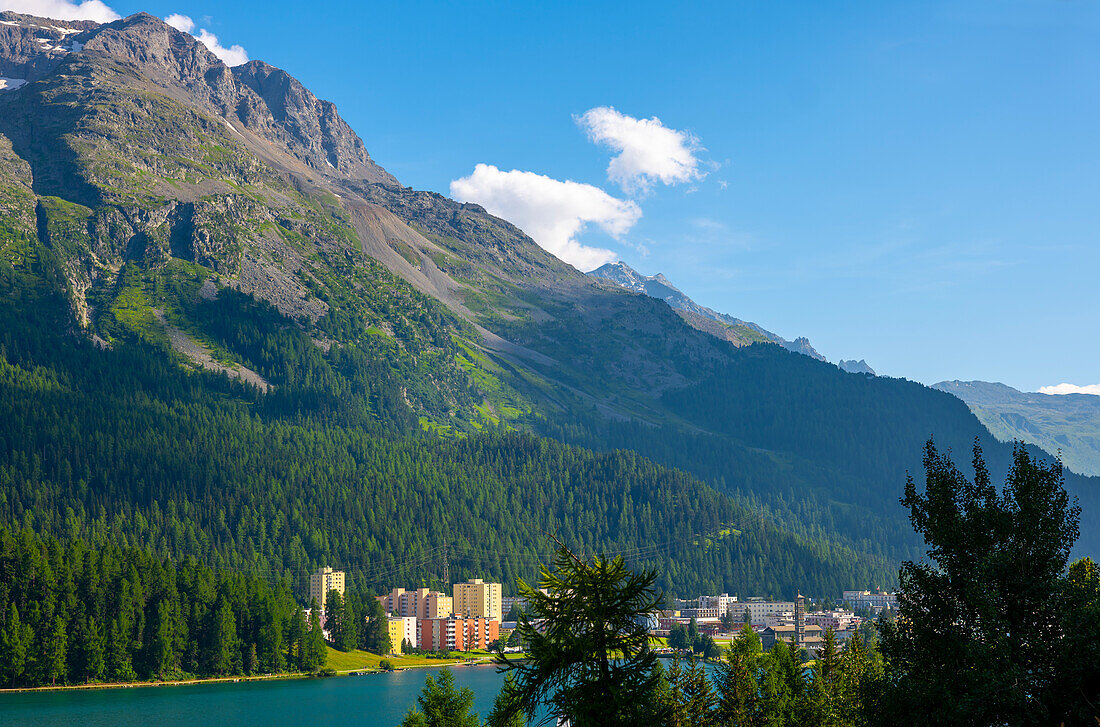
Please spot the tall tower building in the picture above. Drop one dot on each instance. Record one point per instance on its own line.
(475, 598)
(323, 581)
(800, 620)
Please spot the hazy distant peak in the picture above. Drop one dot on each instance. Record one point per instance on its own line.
(856, 367)
(724, 326)
(1070, 423)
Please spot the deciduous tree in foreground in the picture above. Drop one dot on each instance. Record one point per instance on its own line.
(981, 635)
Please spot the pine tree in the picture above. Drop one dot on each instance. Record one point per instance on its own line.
(53, 655)
(315, 654)
(442, 705)
(376, 632)
(119, 662)
(295, 639)
(504, 713)
(162, 647)
(223, 651)
(738, 687)
(15, 640)
(93, 651)
(783, 687)
(589, 659)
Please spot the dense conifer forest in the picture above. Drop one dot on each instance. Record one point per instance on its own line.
(124, 446)
(75, 614)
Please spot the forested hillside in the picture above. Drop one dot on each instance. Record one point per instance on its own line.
(193, 464)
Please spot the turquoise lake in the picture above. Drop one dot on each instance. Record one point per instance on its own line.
(377, 700)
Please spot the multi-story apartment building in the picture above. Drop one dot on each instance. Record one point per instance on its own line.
(323, 581)
(759, 609)
(699, 613)
(478, 598)
(420, 603)
(875, 601)
(402, 628)
(725, 603)
(835, 620)
(396, 627)
(455, 633)
(506, 603)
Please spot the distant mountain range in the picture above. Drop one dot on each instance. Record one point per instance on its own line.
(1068, 422)
(708, 320)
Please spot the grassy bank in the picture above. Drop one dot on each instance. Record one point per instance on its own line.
(346, 661)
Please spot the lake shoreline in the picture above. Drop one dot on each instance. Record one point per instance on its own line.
(234, 679)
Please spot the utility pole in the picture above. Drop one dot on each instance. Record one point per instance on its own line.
(446, 567)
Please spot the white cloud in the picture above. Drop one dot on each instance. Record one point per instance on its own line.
(1071, 389)
(232, 56)
(551, 211)
(62, 9)
(648, 151)
(182, 23)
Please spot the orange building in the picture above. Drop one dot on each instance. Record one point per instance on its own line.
(455, 633)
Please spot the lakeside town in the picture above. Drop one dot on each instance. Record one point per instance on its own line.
(476, 616)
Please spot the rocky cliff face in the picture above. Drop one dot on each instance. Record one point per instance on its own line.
(30, 48)
(255, 97)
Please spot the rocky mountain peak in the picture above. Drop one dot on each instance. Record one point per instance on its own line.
(265, 100)
(856, 367)
(310, 128)
(31, 48)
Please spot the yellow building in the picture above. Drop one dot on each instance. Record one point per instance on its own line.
(323, 581)
(397, 633)
(420, 603)
(477, 598)
(438, 606)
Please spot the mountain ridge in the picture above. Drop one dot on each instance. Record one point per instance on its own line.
(734, 330)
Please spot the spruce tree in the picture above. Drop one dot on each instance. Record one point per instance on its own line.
(738, 688)
(315, 654)
(376, 632)
(442, 705)
(15, 641)
(94, 650)
(503, 714)
(53, 655)
(223, 650)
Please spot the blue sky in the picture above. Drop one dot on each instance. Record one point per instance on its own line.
(911, 183)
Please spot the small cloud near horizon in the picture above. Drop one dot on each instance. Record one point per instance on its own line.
(551, 211)
(93, 10)
(1064, 388)
(648, 151)
(232, 56)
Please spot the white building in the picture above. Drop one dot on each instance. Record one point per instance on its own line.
(875, 601)
(759, 609)
(723, 604)
(835, 620)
